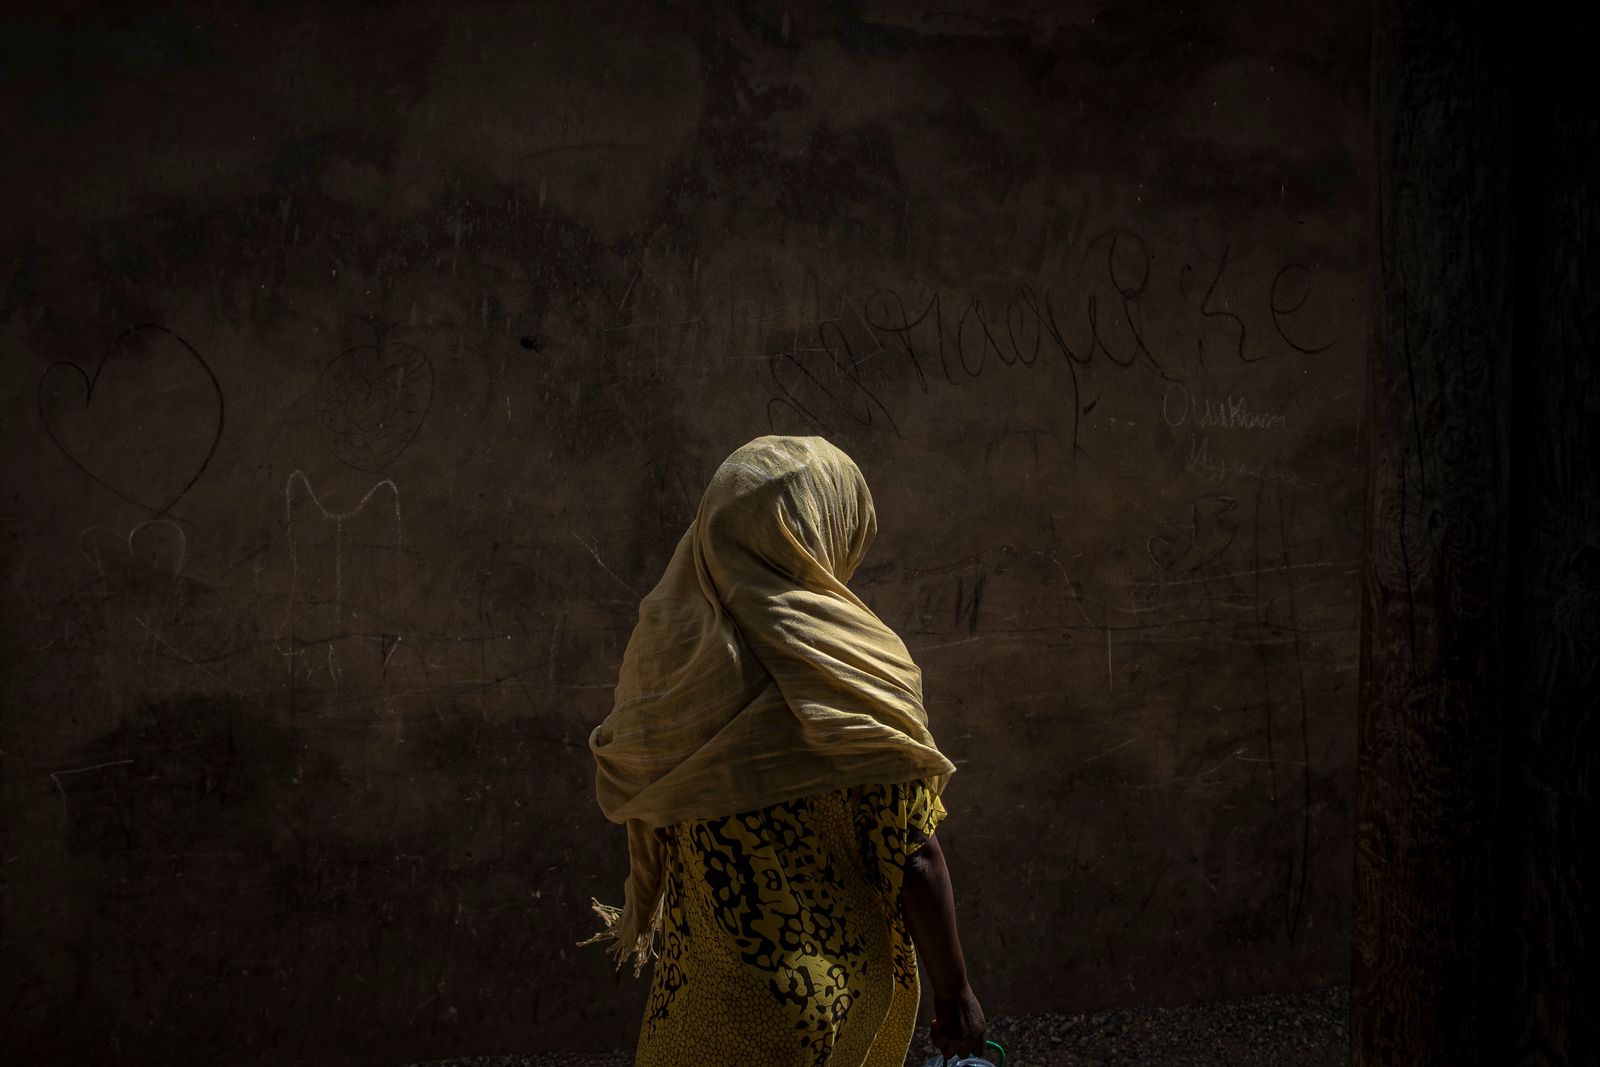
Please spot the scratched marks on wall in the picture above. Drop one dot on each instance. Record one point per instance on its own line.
(143, 570)
(352, 632)
(1226, 560)
(652, 328)
(143, 422)
(124, 599)
(1214, 568)
(126, 604)
(1122, 309)
(1252, 621)
(1196, 650)
(301, 700)
(345, 573)
(370, 402)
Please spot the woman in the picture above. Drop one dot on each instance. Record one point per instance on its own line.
(770, 756)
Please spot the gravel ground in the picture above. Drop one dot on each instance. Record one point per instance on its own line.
(1307, 1030)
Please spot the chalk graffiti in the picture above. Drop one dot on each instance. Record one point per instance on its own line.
(1179, 408)
(162, 547)
(340, 585)
(1214, 467)
(338, 519)
(1191, 559)
(125, 607)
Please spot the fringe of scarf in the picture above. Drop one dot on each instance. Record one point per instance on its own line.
(641, 950)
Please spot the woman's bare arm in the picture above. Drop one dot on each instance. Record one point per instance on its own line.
(930, 910)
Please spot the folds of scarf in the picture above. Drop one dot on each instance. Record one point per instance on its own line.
(754, 675)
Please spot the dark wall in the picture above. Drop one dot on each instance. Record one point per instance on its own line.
(361, 368)
(1474, 923)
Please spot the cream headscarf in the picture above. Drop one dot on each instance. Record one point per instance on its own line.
(754, 676)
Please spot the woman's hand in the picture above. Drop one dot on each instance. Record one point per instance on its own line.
(930, 909)
(958, 1024)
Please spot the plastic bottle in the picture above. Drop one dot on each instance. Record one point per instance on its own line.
(970, 1061)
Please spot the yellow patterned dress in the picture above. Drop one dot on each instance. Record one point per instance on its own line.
(783, 940)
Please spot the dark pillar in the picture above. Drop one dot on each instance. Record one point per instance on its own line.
(1549, 835)
(1433, 617)
(1482, 550)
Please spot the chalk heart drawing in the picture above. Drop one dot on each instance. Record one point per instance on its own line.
(143, 423)
(370, 403)
(156, 547)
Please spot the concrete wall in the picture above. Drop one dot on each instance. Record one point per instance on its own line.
(361, 368)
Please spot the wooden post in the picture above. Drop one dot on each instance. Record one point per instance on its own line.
(1482, 557)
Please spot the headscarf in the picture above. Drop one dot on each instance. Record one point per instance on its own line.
(754, 675)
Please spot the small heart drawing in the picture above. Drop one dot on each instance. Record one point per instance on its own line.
(144, 424)
(152, 555)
